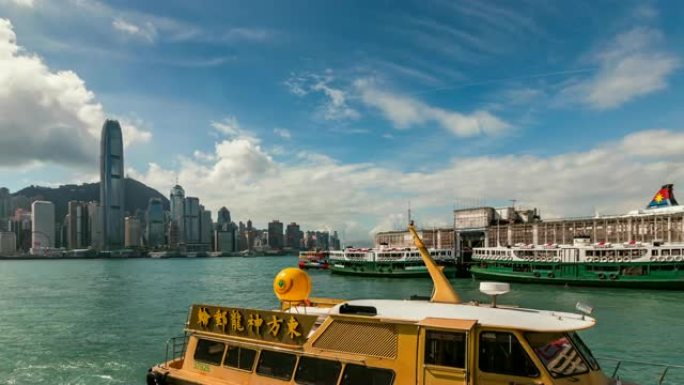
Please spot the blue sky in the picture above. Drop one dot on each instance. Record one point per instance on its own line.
(336, 114)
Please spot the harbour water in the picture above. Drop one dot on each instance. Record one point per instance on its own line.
(106, 321)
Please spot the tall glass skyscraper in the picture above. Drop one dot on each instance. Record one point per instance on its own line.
(112, 186)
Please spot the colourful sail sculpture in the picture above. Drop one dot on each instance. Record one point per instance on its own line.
(663, 198)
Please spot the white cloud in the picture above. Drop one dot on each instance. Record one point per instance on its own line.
(23, 3)
(48, 116)
(146, 31)
(231, 128)
(634, 64)
(318, 191)
(404, 112)
(335, 106)
(283, 133)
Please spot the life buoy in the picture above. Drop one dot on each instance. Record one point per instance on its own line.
(669, 259)
(536, 274)
(678, 258)
(556, 259)
(612, 277)
(604, 259)
(601, 276)
(653, 258)
(551, 275)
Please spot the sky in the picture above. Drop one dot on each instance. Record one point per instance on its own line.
(336, 115)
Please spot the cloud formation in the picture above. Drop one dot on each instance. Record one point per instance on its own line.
(634, 64)
(320, 192)
(405, 111)
(146, 32)
(47, 116)
(336, 104)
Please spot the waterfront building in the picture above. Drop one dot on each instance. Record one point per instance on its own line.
(225, 241)
(275, 235)
(5, 207)
(133, 232)
(154, 230)
(436, 238)
(174, 234)
(112, 185)
(43, 231)
(177, 202)
(191, 220)
(223, 219)
(8, 243)
(77, 225)
(20, 225)
(206, 227)
(94, 225)
(293, 236)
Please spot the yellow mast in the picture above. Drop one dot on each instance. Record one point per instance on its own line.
(443, 291)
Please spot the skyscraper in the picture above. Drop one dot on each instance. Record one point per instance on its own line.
(43, 232)
(112, 185)
(275, 234)
(176, 227)
(78, 226)
(133, 232)
(192, 220)
(223, 219)
(154, 233)
(293, 236)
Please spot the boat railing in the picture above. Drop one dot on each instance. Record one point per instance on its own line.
(175, 348)
(662, 374)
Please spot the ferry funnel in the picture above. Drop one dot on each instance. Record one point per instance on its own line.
(443, 292)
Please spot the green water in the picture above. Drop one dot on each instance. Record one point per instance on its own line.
(106, 321)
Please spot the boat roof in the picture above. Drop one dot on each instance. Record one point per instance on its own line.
(502, 316)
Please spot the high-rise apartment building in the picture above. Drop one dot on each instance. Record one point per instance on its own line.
(43, 231)
(154, 231)
(112, 185)
(5, 207)
(275, 235)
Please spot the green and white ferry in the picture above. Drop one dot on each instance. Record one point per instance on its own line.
(632, 264)
(389, 262)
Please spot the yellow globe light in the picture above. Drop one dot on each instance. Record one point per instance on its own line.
(292, 285)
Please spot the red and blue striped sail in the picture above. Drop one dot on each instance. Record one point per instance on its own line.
(663, 198)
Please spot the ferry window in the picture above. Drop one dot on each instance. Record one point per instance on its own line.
(676, 252)
(210, 352)
(357, 374)
(276, 364)
(445, 349)
(557, 353)
(502, 353)
(240, 358)
(666, 252)
(314, 371)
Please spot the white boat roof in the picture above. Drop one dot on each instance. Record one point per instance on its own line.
(505, 317)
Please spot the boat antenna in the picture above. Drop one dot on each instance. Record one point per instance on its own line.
(443, 291)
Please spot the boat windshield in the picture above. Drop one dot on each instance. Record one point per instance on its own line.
(559, 353)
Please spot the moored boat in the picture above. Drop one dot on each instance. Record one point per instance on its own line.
(389, 262)
(442, 340)
(631, 264)
(314, 259)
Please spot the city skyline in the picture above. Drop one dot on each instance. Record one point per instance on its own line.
(436, 104)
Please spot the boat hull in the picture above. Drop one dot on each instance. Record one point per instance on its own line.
(556, 277)
(371, 269)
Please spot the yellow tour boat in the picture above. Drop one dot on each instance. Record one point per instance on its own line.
(319, 341)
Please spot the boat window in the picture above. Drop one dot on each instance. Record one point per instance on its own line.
(357, 374)
(557, 353)
(502, 353)
(584, 350)
(210, 352)
(240, 358)
(676, 252)
(666, 252)
(276, 364)
(445, 349)
(315, 371)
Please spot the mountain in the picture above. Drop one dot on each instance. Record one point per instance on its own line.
(136, 196)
